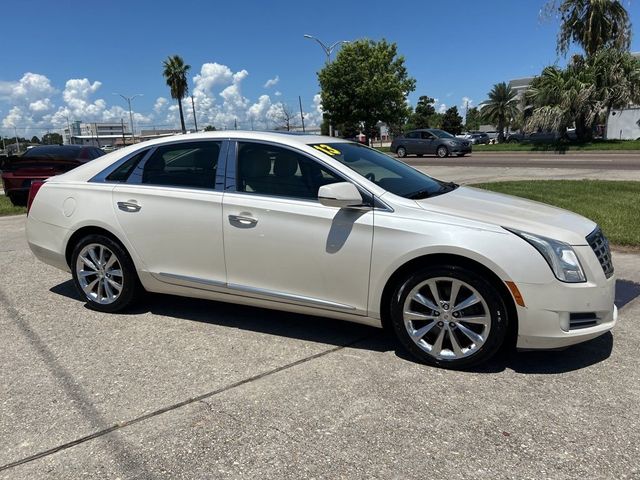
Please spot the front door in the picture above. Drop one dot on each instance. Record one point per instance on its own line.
(282, 244)
(171, 212)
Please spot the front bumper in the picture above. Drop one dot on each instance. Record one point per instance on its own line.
(459, 149)
(546, 321)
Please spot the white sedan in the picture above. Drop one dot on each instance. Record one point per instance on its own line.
(323, 226)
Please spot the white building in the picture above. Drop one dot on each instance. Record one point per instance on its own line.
(97, 134)
(624, 124)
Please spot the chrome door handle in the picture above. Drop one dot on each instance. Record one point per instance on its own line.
(241, 221)
(130, 207)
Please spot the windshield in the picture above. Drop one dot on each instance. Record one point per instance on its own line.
(390, 174)
(441, 134)
(54, 151)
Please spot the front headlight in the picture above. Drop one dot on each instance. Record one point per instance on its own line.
(560, 256)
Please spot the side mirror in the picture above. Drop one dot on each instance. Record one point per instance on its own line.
(341, 195)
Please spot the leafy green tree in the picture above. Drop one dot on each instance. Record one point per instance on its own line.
(592, 24)
(452, 121)
(175, 74)
(52, 139)
(501, 107)
(209, 128)
(35, 139)
(473, 120)
(423, 112)
(367, 83)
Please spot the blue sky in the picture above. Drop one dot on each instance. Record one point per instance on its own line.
(64, 59)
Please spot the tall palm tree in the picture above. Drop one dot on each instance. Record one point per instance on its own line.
(501, 107)
(593, 24)
(175, 73)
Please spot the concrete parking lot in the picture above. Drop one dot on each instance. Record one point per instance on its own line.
(182, 388)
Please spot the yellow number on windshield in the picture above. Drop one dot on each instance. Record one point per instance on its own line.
(327, 149)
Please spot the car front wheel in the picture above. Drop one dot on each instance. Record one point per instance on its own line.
(442, 151)
(448, 317)
(104, 273)
(401, 152)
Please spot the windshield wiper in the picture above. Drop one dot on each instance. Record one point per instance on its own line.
(448, 185)
(424, 193)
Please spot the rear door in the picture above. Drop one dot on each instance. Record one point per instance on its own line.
(170, 209)
(428, 143)
(413, 142)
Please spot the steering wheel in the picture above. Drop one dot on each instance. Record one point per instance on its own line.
(370, 176)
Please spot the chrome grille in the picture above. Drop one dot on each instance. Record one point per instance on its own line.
(600, 245)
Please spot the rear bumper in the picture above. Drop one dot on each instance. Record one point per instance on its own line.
(546, 321)
(18, 184)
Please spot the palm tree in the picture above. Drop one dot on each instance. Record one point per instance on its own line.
(175, 73)
(616, 76)
(563, 98)
(593, 24)
(501, 107)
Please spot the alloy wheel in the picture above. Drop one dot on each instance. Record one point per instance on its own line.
(447, 318)
(99, 273)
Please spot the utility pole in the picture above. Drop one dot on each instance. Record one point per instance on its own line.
(301, 114)
(124, 141)
(195, 120)
(95, 125)
(15, 131)
(466, 111)
(128, 100)
(69, 128)
(235, 123)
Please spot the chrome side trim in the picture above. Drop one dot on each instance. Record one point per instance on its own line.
(259, 291)
(185, 278)
(289, 296)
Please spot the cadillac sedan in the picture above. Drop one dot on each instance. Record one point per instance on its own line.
(323, 226)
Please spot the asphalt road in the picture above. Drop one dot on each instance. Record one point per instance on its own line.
(183, 388)
(585, 160)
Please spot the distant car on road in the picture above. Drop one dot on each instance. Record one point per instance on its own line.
(478, 138)
(39, 163)
(430, 141)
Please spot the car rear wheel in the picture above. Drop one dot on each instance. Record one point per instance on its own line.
(449, 317)
(104, 274)
(442, 151)
(401, 152)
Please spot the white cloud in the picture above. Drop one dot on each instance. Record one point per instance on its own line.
(277, 93)
(272, 82)
(161, 102)
(466, 102)
(442, 108)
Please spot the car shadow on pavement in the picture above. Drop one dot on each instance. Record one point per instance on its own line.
(353, 335)
(626, 291)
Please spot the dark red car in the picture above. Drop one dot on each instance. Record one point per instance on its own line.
(39, 163)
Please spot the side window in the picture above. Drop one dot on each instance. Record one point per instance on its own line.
(186, 164)
(427, 136)
(121, 173)
(413, 135)
(270, 170)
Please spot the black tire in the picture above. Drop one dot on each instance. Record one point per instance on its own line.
(401, 152)
(17, 199)
(460, 154)
(131, 287)
(442, 151)
(496, 316)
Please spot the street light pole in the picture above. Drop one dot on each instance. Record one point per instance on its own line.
(327, 50)
(128, 100)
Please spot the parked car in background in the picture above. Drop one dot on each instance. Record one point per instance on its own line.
(478, 138)
(539, 137)
(39, 163)
(322, 226)
(430, 141)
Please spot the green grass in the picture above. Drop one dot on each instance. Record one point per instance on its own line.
(615, 206)
(596, 145)
(6, 208)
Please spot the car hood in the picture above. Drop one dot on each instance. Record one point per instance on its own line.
(512, 212)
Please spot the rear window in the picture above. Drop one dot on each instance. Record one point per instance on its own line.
(54, 151)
